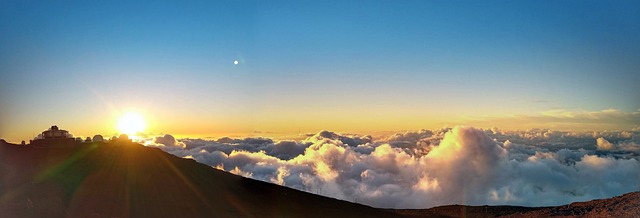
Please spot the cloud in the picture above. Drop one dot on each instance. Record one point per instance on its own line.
(627, 145)
(566, 120)
(422, 169)
(168, 140)
(603, 144)
(354, 140)
(286, 150)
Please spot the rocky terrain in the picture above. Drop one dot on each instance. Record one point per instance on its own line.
(627, 205)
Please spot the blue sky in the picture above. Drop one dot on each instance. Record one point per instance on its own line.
(310, 65)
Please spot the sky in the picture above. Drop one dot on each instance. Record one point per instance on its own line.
(306, 66)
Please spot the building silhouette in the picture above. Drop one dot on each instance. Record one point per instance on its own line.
(56, 133)
(54, 136)
(97, 138)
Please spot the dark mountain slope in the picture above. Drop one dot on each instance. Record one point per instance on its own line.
(627, 205)
(130, 180)
(465, 211)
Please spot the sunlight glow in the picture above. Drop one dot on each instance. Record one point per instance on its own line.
(131, 123)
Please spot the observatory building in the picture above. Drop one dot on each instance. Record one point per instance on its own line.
(54, 136)
(55, 133)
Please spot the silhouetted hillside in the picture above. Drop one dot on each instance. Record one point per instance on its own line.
(123, 179)
(627, 205)
(465, 211)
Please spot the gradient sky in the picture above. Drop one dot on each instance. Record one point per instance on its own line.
(304, 66)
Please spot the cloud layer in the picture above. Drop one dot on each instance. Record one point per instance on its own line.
(565, 119)
(422, 169)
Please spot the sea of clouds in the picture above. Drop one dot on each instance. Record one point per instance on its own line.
(422, 169)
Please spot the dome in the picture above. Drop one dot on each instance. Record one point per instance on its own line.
(97, 138)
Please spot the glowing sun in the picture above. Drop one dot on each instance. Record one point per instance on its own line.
(131, 123)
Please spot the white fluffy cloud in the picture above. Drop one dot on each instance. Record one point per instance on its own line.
(423, 169)
(168, 140)
(626, 145)
(603, 144)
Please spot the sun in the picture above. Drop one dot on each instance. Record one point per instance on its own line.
(131, 123)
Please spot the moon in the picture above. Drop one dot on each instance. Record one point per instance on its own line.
(235, 62)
